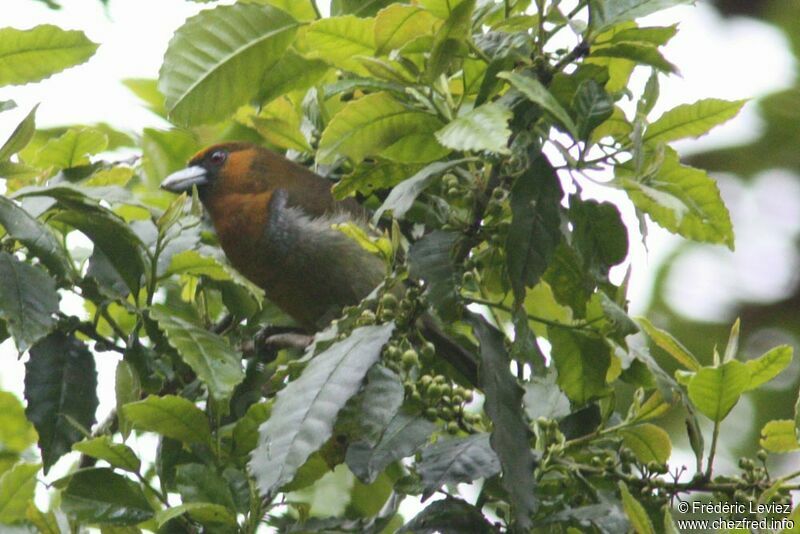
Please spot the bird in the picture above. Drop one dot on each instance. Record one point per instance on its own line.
(275, 218)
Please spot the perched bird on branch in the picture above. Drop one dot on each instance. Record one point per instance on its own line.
(274, 221)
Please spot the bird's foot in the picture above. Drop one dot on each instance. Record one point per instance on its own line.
(270, 339)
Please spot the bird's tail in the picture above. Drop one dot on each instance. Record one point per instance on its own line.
(460, 358)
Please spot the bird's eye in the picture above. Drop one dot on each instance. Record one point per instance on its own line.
(218, 157)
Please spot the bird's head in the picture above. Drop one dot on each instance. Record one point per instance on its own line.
(226, 167)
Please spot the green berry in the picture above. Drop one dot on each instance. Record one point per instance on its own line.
(431, 414)
(410, 359)
(452, 427)
(428, 350)
(389, 301)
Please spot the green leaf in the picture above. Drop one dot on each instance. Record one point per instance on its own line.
(147, 91)
(482, 128)
(383, 396)
(17, 486)
(683, 200)
(36, 236)
(768, 365)
(592, 106)
(102, 496)
(403, 195)
(543, 398)
(239, 42)
(170, 416)
(305, 410)
(535, 231)
(779, 436)
(570, 282)
(691, 120)
(715, 390)
(117, 454)
(245, 433)
(299, 9)
(403, 436)
(21, 135)
(606, 13)
(72, 148)
(201, 483)
(28, 300)
(292, 72)
(449, 39)
(7, 105)
(164, 152)
(449, 516)
(455, 460)
(208, 354)
(16, 432)
(510, 434)
(648, 442)
(60, 387)
(202, 512)
(654, 35)
(128, 388)
(339, 41)
(639, 53)
(32, 55)
(440, 8)
(636, 513)
(582, 362)
(669, 344)
(538, 94)
(431, 259)
(400, 24)
(378, 124)
(369, 178)
(279, 123)
(599, 235)
(362, 8)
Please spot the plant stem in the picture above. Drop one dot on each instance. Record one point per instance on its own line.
(316, 8)
(713, 451)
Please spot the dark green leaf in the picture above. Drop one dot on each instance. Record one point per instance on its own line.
(592, 106)
(170, 416)
(510, 434)
(21, 136)
(643, 54)
(202, 512)
(37, 237)
(200, 483)
(208, 354)
(599, 235)
(293, 72)
(382, 398)
(239, 42)
(35, 54)
(60, 387)
(606, 13)
(431, 259)
(362, 8)
(538, 94)
(245, 433)
(403, 436)
(7, 105)
(165, 151)
(636, 513)
(449, 516)
(128, 388)
(449, 38)
(305, 410)
(102, 496)
(582, 361)
(535, 226)
(454, 460)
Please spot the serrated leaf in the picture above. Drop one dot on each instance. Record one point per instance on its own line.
(768, 365)
(17, 486)
(639, 53)
(339, 40)
(715, 390)
(582, 362)
(117, 454)
(482, 128)
(170, 416)
(691, 120)
(304, 412)
(102, 496)
(399, 24)
(535, 225)
(779, 436)
(378, 124)
(32, 55)
(239, 42)
(403, 195)
(510, 433)
(72, 148)
(636, 513)
(36, 236)
(21, 135)
(648, 442)
(538, 94)
(455, 460)
(60, 387)
(208, 354)
(404, 435)
(606, 13)
(670, 345)
(28, 301)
